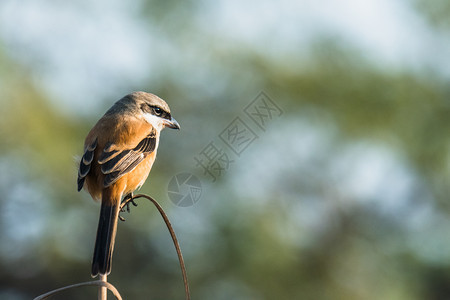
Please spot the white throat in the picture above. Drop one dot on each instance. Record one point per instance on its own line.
(155, 121)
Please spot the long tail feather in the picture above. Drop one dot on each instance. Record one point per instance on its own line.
(106, 235)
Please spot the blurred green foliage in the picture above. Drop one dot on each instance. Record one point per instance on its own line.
(436, 12)
(241, 241)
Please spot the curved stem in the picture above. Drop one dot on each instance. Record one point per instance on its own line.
(172, 234)
(101, 283)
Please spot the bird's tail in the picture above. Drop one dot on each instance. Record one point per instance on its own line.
(106, 235)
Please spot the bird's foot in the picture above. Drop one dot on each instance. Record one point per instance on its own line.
(127, 199)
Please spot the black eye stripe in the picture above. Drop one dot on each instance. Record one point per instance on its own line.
(158, 111)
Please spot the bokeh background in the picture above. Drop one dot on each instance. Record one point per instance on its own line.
(343, 196)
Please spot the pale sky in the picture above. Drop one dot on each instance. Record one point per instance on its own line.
(76, 50)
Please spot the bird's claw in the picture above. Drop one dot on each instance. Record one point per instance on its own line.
(128, 198)
(128, 205)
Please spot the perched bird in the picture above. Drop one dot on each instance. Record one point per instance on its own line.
(119, 152)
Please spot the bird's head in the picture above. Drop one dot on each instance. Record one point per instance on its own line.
(152, 109)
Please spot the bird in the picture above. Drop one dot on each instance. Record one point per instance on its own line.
(119, 152)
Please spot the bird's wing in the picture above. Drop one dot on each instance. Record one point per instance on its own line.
(85, 163)
(116, 163)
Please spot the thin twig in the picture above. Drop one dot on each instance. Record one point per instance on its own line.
(172, 234)
(108, 285)
(102, 291)
(104, 285)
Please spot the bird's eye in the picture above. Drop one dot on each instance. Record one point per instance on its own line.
(158, 111)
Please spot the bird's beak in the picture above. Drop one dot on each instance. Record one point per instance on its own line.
(172, 123)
